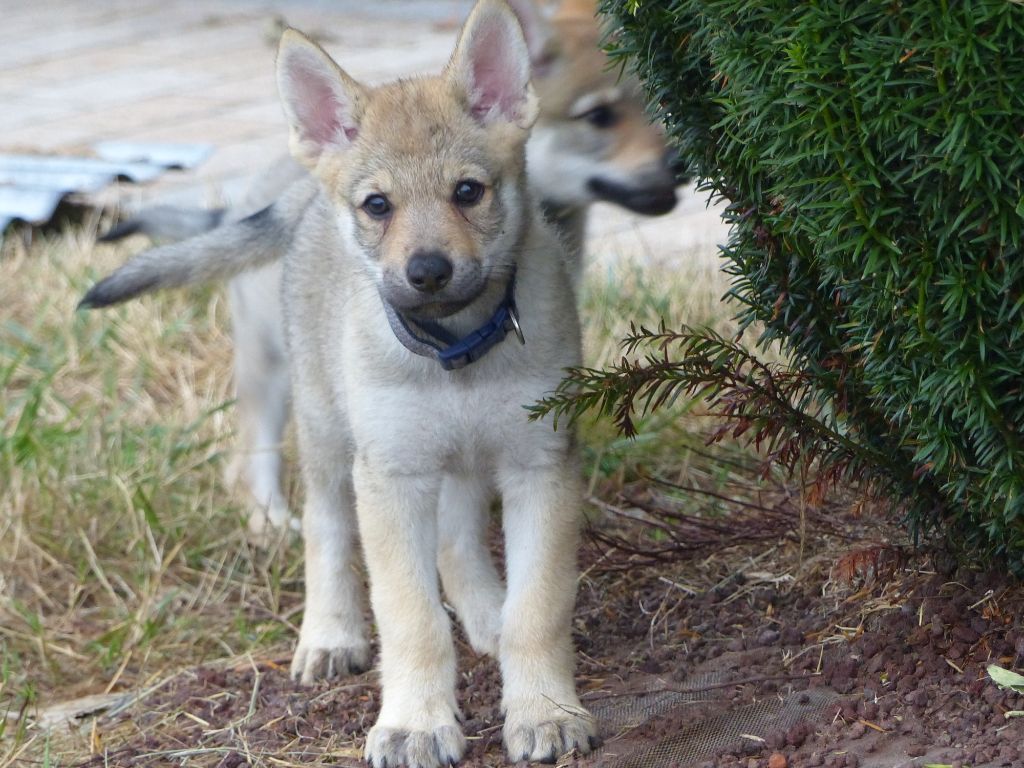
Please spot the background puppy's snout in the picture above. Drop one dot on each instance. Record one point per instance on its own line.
(429, 271)
(678, 166)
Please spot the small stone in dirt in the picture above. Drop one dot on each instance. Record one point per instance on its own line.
(751, 747)
(777, 760)
(965, 634)
(869, 709)
(798, 734)
(232, 760)
(651, 666)
(768, 637)
(918, 698)
(857, 730)
(991, 695)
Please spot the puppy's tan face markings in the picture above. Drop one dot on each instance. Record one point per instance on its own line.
(421, 172)
(423, 176)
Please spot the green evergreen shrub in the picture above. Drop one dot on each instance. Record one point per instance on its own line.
(873, 157)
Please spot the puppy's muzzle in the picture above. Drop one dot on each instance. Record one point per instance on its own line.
(429, 271)
(431, 284)
(651, 192)
(654, 198)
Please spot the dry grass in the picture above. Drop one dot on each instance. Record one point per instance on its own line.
(122, 554)
(123, 558)
(643, 291)
(687, 289)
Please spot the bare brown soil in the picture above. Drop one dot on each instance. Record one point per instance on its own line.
(863, 654)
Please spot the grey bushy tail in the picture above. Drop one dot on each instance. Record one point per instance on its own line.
(166, 222)
(216, 254)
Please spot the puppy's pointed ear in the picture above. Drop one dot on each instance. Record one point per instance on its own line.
(541, 41)
(323, 105)
(491, 66)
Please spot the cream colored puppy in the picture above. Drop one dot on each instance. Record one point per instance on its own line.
(425, 303)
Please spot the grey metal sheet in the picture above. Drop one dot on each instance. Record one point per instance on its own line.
(57, 165)
(32, 186)
(65, 181)
(31, 204)
(165, 154)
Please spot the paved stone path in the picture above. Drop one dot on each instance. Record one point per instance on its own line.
(76, 72)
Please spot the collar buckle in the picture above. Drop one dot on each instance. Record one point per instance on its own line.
(513, 316)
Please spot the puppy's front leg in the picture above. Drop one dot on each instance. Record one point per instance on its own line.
(332, 641)
(543, 716)
(417, 726)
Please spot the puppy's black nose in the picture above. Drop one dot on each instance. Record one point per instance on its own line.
(428, 271)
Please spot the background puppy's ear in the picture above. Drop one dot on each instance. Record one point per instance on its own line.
(322, 103)
(541, 40)
(491, 65)
(577, 9)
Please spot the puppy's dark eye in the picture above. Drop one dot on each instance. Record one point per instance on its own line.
(601, 116)
(468, 192)
(377, 206)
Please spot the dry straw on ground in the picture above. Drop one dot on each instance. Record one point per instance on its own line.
(123, 558)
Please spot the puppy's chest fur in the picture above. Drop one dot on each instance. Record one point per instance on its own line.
(404, 409)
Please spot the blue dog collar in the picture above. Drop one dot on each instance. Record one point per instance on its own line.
(431, 339)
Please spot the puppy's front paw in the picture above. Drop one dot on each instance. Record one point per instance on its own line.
(393, 747)
(546, 737)
(313, 661)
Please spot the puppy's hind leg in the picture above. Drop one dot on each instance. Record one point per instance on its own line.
(418, 722)
(471, 582)
(263, 389)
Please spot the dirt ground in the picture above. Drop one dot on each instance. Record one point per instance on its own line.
(860, 655)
